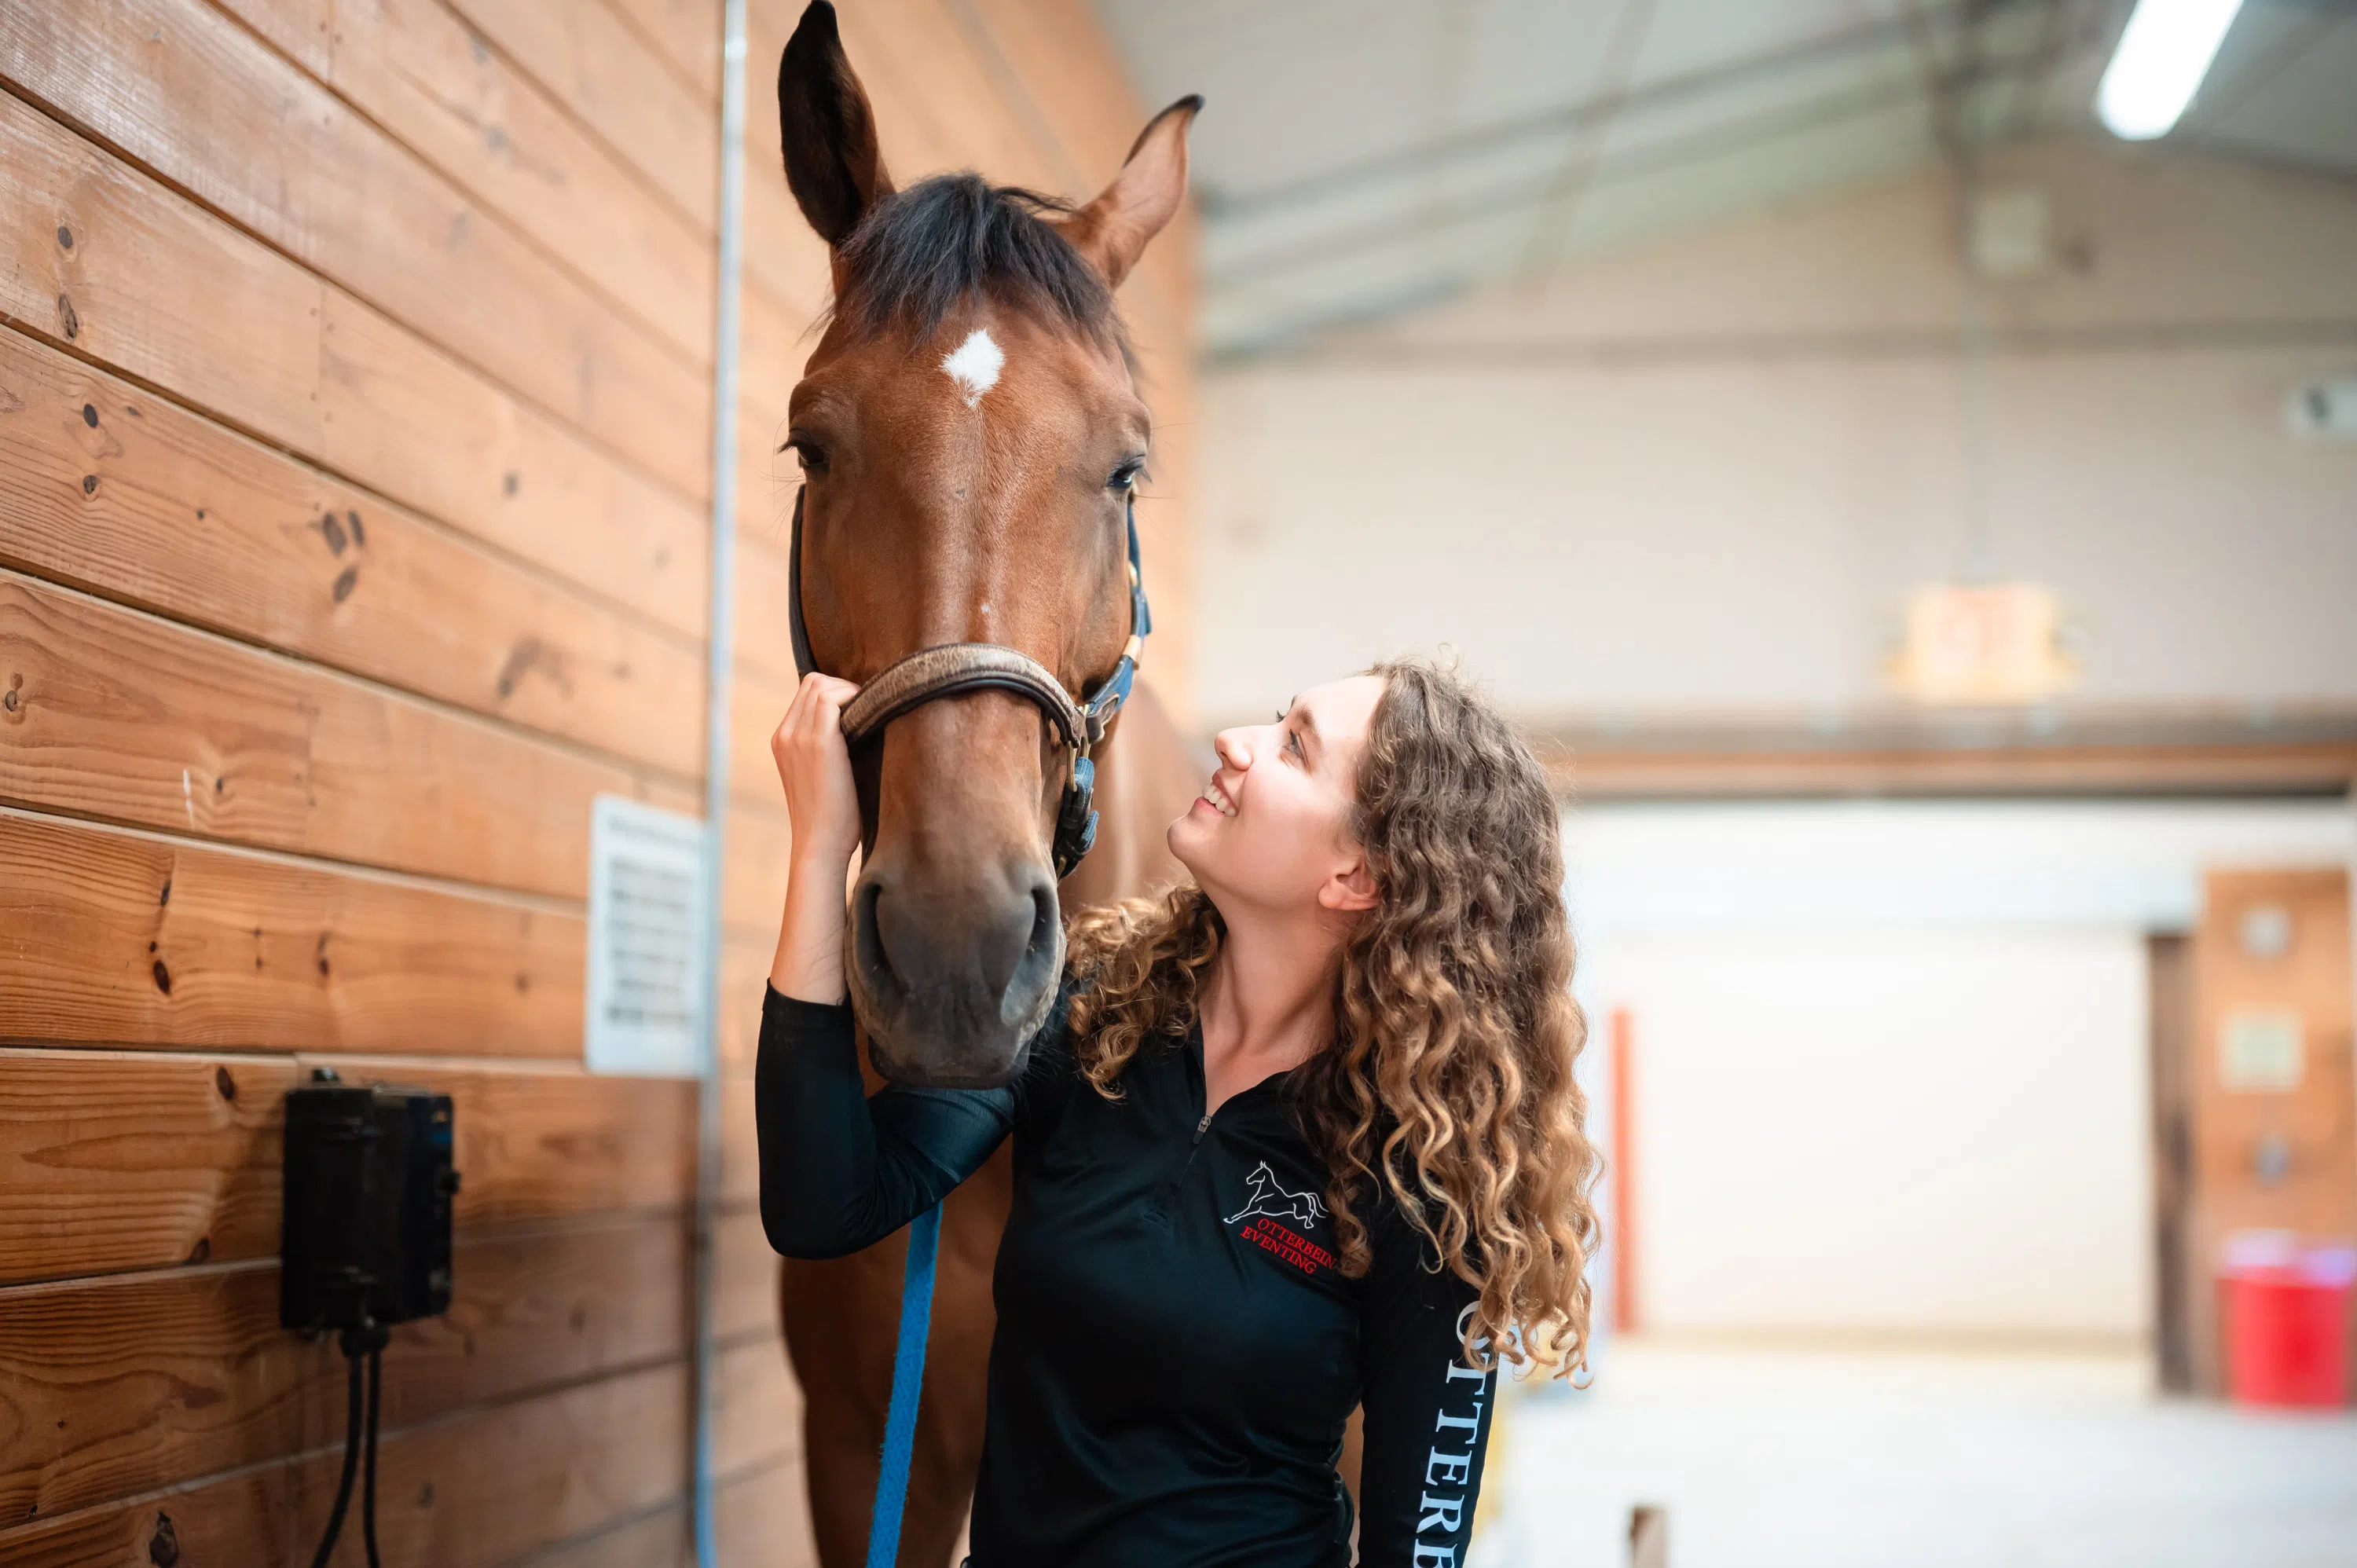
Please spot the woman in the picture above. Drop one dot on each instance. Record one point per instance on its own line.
(1300, 1136)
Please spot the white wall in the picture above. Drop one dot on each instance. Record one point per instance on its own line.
(1890, 1057)
(1693, 481)
(1922, 1135)
(1772, 867)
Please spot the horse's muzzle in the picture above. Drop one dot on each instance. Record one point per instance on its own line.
(952, 981)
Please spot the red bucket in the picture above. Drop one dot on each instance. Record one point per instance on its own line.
(2287, 1320)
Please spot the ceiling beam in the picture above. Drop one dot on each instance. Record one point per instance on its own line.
(1554, 213)
(1885, 34)
(1880, 346)
(1811, 114)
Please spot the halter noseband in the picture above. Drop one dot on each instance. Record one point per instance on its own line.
(955, 669)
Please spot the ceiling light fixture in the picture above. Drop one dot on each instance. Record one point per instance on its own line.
(2163, 55)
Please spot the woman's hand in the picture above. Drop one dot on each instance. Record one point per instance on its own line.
(814, 764)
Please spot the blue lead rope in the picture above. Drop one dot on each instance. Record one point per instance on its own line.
(907, 1384)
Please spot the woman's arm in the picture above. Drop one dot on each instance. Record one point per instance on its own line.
(814, 766)
(840, 1171)
(1427, 1411)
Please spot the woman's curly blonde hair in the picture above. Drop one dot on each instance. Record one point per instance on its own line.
(1447, 1083)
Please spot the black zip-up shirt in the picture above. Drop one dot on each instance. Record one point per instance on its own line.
(1177, 1351)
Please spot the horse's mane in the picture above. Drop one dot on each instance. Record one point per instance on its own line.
(922, 251)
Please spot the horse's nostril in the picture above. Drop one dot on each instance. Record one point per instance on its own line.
(1018, 933)
(1044, 919)
(867, 942)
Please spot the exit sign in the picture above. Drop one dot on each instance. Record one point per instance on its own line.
(1984, 644)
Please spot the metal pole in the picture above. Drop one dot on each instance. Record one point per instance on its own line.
(721, 646)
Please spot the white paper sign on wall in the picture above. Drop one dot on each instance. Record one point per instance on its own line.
(2260, 1051)
(646, 951)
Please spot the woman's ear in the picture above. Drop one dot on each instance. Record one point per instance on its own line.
(1112, 230)
(1349, 890)
(833, 165)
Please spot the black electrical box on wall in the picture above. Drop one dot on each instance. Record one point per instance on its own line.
(369, 1184)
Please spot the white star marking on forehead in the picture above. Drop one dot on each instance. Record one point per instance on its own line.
(974, 366)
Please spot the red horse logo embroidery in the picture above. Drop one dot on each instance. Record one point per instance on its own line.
(1269, 1197)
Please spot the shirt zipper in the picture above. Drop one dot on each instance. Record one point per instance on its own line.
(1202, 1122)
(1193, 1144)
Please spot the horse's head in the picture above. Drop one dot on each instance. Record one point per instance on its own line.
(969, 431)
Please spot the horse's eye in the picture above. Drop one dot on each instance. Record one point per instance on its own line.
(1124, 479)
(812, 455)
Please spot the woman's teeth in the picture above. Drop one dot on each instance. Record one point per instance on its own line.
(1219, 799)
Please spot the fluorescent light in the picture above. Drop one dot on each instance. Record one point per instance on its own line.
(2161, 59)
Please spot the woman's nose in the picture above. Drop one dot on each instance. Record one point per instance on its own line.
(1232, 750)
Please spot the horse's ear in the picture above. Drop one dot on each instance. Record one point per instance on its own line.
(833, 164)
(1112, 230)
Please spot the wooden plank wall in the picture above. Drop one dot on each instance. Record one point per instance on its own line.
(355, 414)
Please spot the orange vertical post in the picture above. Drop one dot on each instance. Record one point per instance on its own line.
(1624, 1173)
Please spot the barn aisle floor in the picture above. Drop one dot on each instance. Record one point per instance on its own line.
(1917, 1461)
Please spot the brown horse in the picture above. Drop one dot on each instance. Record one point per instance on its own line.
(969, 429)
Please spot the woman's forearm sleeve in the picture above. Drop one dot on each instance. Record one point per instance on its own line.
(1427, 1416)
(841, 1171)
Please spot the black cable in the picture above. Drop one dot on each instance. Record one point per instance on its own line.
(352, 1463)
(368, 1341)
(368, 1493)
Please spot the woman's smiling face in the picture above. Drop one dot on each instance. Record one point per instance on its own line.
(1271, 829)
